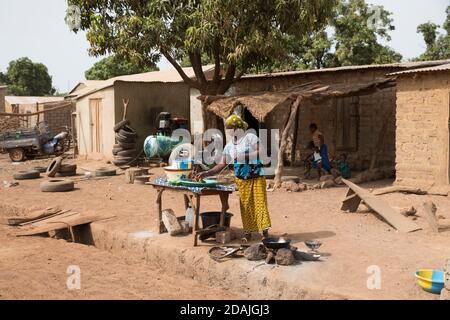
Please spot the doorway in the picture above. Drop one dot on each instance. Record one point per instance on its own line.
(252, 122)
(95, 107)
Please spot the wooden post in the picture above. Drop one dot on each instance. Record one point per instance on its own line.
(159, 210)
(196, 208)
(225, 206)
(38, 115)
(283, 142)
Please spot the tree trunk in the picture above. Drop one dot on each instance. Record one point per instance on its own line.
(283, 142)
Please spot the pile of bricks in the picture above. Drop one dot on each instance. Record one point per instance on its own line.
(9, 123)
(445, 293)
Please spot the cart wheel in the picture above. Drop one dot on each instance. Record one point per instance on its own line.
(17, 155)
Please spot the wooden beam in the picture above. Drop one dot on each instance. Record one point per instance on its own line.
(389, 214)
(283, 142)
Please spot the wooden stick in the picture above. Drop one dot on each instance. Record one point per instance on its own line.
(283, 143)
(5, 114)
(125, 108)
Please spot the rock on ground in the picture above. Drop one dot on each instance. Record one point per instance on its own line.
(285, 257)
(256, 252)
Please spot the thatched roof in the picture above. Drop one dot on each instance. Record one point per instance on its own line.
(262, 103)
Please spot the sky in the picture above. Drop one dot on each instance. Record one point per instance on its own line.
(36, 29)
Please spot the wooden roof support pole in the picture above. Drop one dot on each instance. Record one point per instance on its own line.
(283, 143)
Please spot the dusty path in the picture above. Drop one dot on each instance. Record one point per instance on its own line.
(36, 268)
(353, 242)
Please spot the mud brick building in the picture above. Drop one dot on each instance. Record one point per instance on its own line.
(360, 125)
(423, 120)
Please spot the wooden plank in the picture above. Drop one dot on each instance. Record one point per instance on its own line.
(388, 213)
(351, 202)
(35, 215)
(63, 223)
(39, 222)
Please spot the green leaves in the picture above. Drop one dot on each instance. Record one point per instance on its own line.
(438, 45)
(111, 67)
(234, 33)
(26, 78)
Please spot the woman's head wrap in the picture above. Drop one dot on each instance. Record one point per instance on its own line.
(236, 122)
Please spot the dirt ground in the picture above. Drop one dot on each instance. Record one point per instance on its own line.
(352, 243)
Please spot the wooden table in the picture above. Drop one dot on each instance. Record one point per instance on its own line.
(192, 196)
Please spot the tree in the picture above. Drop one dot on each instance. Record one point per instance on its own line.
(351, 38)
(26, 78)
(3, 78)
(438, 45)
(236, 34)
(357, 31)
(111, 67)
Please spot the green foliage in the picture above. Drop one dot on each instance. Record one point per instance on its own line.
(358, 29)
(111, 67)
(236, 34)
(3, 78)
(352, 37)
(438, 44)
(26, 78)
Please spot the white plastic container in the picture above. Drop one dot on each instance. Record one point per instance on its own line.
(190, 216)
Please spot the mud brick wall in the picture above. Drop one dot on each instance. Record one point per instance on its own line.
(422, 129)
(373, 111)
(58, 119)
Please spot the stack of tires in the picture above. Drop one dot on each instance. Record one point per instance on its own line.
(124, 150)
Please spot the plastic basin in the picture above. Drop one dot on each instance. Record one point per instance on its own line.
(431, 280)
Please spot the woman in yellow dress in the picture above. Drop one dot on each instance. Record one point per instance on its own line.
(243, 152)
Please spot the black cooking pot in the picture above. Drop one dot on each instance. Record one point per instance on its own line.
(277, 243)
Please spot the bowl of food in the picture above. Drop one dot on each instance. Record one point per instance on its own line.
(276, 243)
(174, 174)
(431, 280)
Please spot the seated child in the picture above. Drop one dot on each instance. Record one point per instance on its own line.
(343, 167)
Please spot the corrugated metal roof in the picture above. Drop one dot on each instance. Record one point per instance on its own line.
(404, 65)
(166, 76)
(445, 67)
(31, 100)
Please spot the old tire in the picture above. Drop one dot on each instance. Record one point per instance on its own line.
(127, 145)
(115, 151)
(120, 125)
(120, 139)
(128, 132)
(40, 169)
(17, 155)
(27, 175)
(105, 172)
(127, 153)
(66, 174)
(54, 166)
(56, 185)
(121, 161)
(66, 168)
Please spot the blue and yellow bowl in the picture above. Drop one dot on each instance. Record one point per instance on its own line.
(431, 280)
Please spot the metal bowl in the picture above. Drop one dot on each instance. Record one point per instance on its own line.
(276, 243)
(313, 244)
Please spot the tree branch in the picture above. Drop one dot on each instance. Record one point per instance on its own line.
(196, 61)
(229, 78)
(180, 70)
